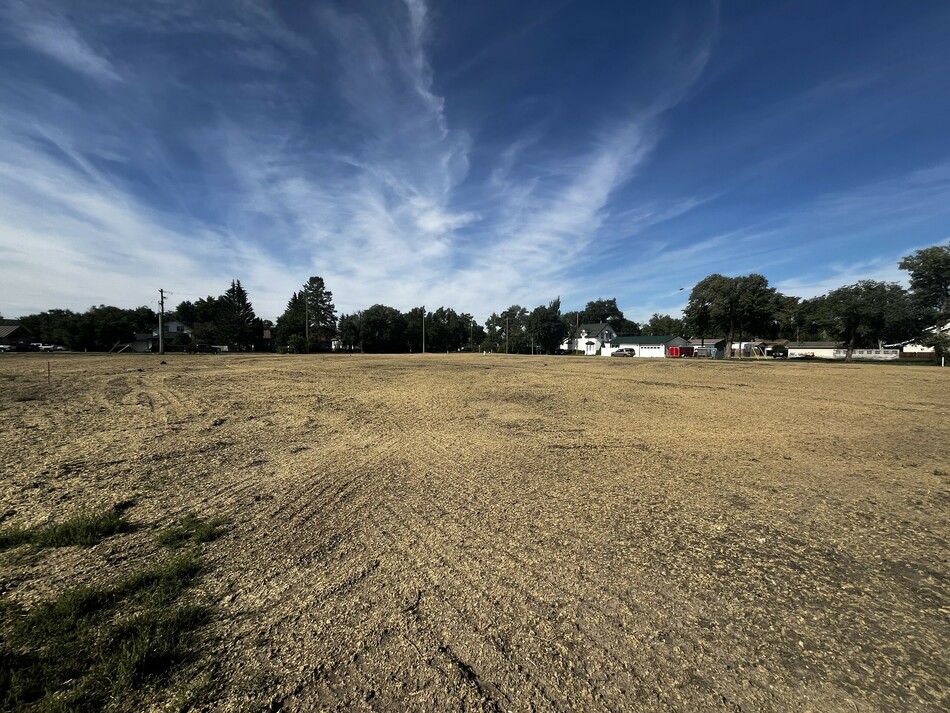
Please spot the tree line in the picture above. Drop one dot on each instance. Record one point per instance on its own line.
(865, 314)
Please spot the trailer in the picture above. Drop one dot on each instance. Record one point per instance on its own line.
(680, 351)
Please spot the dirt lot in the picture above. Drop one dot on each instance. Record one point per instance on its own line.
(513, 533)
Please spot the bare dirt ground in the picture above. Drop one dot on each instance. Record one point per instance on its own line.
(514, 533)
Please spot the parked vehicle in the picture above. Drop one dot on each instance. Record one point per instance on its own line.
(624, 352)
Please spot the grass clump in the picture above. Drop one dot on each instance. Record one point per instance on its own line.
(191, 530)
(13, 537)
(95, 645)
(85, 529)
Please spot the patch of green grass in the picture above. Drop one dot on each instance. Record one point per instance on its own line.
(96, 645)
(14, 536)
(191, 529)
(84, 529)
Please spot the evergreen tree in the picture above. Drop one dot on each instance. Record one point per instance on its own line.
(314, 302)
(236, 317)
(321, 313)
(292, 324)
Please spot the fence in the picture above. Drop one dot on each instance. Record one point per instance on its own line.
(871, 354)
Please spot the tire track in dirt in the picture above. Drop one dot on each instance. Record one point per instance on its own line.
(450, 557)
(336, 499)
(413, 541)
(363, 487)
(661, 656)
(530, 606)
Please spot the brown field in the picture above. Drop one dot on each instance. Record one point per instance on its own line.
(512, 533)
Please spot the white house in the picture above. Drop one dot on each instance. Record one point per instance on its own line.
(645, 347)
(913, 349)
(588, 338)
(148, 341)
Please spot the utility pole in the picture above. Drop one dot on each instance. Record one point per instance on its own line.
(306, 327)
(506, 335)
(161, 321)
(423, 329)
(471, 337)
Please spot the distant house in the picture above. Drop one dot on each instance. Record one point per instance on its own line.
(588, 338)
(645, 347)
(13, 334)
(708, 346)
(912, 349)
(174, 331)
(775, 347)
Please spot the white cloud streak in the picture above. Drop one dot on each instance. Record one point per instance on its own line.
(52, 35)
(379, 198)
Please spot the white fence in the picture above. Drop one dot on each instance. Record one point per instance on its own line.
(870, 354)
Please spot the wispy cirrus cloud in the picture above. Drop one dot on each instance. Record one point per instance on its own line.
(49, 32)
(269, 142)
(786, 241)
(378, 201)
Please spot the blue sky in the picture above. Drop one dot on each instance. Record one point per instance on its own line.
(467, 154)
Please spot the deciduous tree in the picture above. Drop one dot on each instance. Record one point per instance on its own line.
(203, 316)
(930, 278)
(382, 329)
(349, 326)
(663, 324)
(545, 326)
(732, 304)
(930, 290)
(506, 331)
(866, 313)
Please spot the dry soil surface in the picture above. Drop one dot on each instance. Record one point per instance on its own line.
(514, 533)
